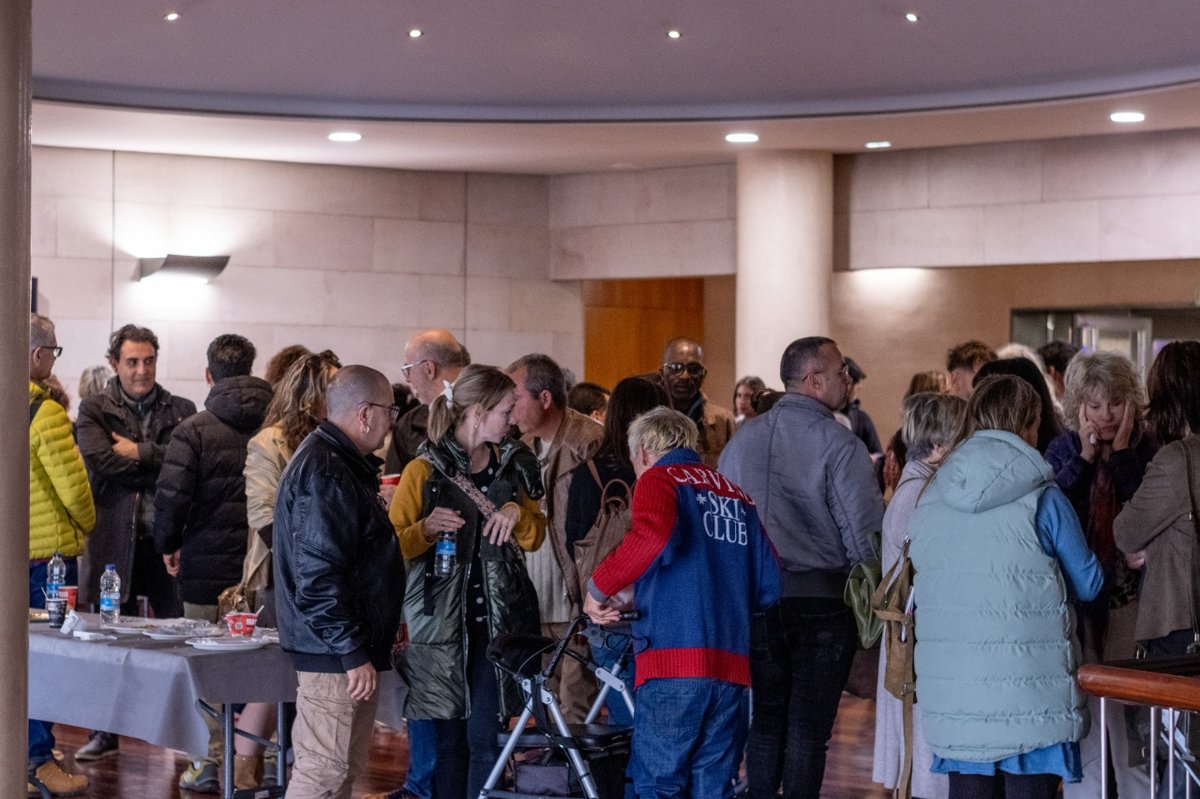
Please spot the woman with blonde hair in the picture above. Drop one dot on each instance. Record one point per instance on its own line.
(999, 557)
(929, 426)
(472, 480)
(1098, 463)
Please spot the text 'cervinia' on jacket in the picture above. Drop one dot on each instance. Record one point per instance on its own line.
(61, 511)
(996, 650)
(337, 562)
(435, 609)
(200, 501)
(700, 565)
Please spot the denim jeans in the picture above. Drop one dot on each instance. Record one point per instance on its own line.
(422, 758)
(685, 735)
(41, 737)
(467, 749)
(800, 657)
(606, 655)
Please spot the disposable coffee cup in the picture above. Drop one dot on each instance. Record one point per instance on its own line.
(70, 593)
(241, 623)
(56, 609)
(390, 480)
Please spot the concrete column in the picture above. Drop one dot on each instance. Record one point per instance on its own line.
(15, 76)
(784, 255)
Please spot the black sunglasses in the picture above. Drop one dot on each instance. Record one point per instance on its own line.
(693, 369)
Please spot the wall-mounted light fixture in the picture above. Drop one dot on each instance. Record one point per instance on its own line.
(200, 268)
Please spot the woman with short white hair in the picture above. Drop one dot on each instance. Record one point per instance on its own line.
(930, 424)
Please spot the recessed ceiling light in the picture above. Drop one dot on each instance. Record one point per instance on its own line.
(674, 34)
(882, 144)
(1127, 117)
(741, 138)
(911, 17)
(345, 136)
(171, 17)
(416, 33)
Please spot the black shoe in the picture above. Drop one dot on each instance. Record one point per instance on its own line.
(99, 745)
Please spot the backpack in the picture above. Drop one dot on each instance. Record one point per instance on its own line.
(606, 532)
(892, 604)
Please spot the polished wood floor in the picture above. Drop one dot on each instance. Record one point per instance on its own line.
(148, 772)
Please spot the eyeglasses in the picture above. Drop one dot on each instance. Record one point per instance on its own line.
(408, 367)
(694, 369)
(394, 410)
(57, 351)
(843, 370)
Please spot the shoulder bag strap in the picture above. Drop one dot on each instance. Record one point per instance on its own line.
(485, 505)
(34, 407)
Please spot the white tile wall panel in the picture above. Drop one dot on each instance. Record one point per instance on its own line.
(686, 194)
(594, 198)
(323, 241)
(508, 200)
(986, 175)
(418, 247)
(508, 250)
(64, 172)
(1042, 232)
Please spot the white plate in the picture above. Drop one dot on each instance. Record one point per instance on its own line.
(167, 635)
(126, 629)
(226, 644)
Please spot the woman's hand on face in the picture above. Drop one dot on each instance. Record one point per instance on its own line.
(441, 519)
(1088, 440)
(500, 526)
(1125, 431)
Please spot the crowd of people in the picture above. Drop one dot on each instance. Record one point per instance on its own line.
(1046, 500)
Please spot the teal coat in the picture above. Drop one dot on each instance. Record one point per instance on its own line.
(996, 651)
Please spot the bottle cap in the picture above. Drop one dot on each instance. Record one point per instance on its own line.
(108, 566)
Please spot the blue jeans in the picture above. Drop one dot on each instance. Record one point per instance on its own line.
(800, 657)
(422, 754)
(606, 655)
(685, 737)
(41, 737)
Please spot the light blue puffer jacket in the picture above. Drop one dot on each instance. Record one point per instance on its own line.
(996, 652)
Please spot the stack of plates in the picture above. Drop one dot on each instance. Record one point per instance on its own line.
(181, 631)
(226, 644)
(127, 627)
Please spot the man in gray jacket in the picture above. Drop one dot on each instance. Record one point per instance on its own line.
(812, 481)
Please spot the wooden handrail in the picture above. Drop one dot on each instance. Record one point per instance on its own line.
(1162, 682)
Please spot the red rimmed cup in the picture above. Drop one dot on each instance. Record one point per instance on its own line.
(69, 593)
(390, 480)
(241, 623)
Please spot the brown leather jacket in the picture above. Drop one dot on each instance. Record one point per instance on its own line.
(577, 440)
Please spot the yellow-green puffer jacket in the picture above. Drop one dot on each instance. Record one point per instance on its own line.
(61, 512)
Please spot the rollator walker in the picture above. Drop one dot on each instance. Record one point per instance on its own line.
(554, 758)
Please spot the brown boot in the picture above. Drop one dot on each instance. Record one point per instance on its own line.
(59, 782)
(247, 771)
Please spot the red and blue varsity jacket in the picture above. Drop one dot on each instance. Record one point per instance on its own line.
(700, 565)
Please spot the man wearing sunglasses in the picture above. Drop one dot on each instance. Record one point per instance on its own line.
(683, 374)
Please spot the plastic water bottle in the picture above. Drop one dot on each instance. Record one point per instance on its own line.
(56, 575)
(444, 555)
(110, 595)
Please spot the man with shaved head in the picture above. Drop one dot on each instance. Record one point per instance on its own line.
(683, 374)
(337, 565)
(430, 357)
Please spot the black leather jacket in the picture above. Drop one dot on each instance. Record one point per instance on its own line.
(339, 576)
